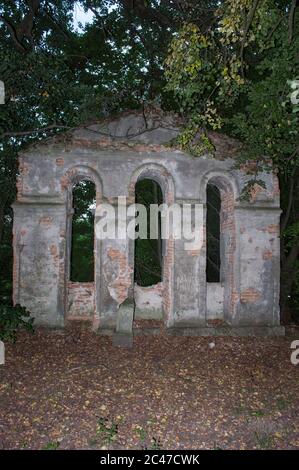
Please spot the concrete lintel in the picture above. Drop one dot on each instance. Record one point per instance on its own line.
(256, 207)
(114, 201)
(188, 201)
(38, 201)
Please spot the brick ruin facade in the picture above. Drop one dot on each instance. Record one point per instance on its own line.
(115, 154)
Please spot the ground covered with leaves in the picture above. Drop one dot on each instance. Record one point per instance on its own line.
(74, 390)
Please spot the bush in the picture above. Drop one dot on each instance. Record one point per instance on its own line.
(12, 319)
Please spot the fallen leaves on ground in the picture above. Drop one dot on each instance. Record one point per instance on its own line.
(72, 389)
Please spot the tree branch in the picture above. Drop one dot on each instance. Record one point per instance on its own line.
(26, 26)
(286, 217)
(141, 9)
(13, 34)
(247, 26)
(24, 29)
(34, 131)
(291, 19)
(57, 25)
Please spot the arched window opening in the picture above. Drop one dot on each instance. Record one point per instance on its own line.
(213, 233)
(148, 253)
(82, 247)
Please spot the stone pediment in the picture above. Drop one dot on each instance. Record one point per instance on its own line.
(138, 129)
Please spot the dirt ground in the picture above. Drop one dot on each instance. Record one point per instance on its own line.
(74, 390)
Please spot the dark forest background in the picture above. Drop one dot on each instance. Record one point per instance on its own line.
(231, 66)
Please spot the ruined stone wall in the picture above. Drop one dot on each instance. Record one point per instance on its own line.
(42, 220)
(39, 253)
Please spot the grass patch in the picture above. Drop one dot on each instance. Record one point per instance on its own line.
(264, 440)
(52, 445)
(107, 432)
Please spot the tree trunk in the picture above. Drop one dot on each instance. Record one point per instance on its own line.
(289, 256)
(288, 275)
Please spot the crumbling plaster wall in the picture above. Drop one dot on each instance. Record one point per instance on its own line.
(42, 236)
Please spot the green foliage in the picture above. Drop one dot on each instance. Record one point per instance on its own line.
(290, 239)
(249, 188)
(257, 413)
(156, 444)
(212, 78)
(106, 431)
(213, 233)
(291, 235)
(194, 140)
(267, 124)
(294, 294)
(294, 96)
(8, 171)
(264, 440)
(6, 256)
(142, 433)
(192, 71)
(148, 252)
(189, 68)
(52, 445)
(82, 255)
(12, 319)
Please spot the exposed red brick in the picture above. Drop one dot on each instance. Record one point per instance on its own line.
(53, 249)
(108, 143)
(193, 252)
(120, 286)
(80, 303)
(272, 228)
(250, 167)
(267, 254)
(250, 295)
(64, 182)
(23, 167)
(46, 221)
(59, 161)
(255, 191)
(55, 254)
(276, 189)
(19, 185)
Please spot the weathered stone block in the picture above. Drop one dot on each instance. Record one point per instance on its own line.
(124, 322)
(2, 353)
